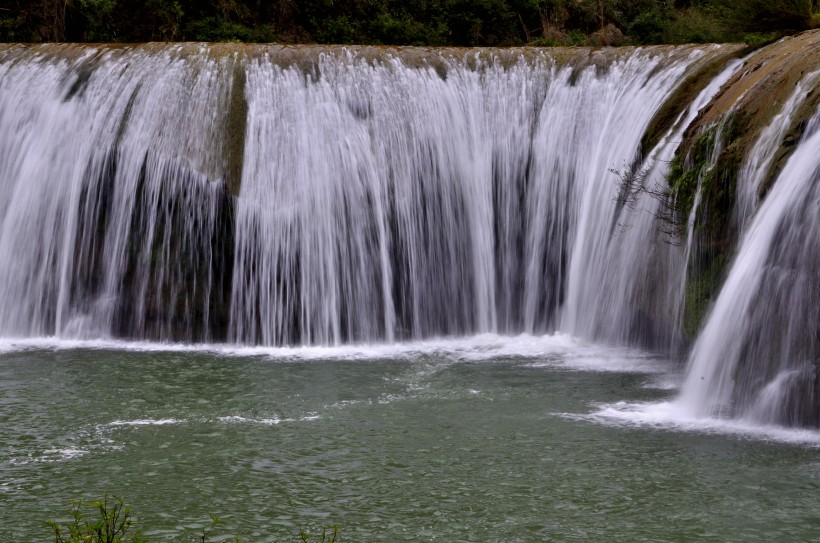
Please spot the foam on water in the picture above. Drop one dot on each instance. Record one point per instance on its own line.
(670, 416)
(146, 422)
(66, 454)
(547, 350)
(236, 419)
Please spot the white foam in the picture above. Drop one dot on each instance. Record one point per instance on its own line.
(474, 348)
(671, 416)
(582, 356)
(47, 456)
(146, 422)
(235, 419)
(67, 453)
(664, 382)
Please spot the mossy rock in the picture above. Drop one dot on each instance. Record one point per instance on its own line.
(701, 289)
(699, 77)
(741, 110)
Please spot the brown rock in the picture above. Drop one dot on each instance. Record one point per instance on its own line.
(610, 35)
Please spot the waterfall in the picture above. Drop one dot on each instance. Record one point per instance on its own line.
(111, 210)
(757, 355)
(410, 204)
(267, 195)
(270, 195)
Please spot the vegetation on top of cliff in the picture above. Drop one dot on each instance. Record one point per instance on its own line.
(407, 22)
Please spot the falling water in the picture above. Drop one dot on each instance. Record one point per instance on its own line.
(111, 209)
(641, 230)
(411, 204)
(374, 196)
(758, 161)
(757, 355)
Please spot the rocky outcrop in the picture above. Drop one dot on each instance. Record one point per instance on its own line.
(706, 171)
(745, 106)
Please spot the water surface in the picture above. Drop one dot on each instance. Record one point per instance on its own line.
(480, 439)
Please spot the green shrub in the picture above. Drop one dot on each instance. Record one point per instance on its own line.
(10, 29)
(109, 520)
(165, 19)
(765, 15)
(407, 31)
(408, 22)
(577, 38)
(545, 42)
(696, 25)
(337, 30)
(114, 523)
(481, 22)
(759, 40)
(218, 30)
(329, 534)
(648, 28)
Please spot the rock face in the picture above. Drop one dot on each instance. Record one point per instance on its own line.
(776, 88)
(757, 93)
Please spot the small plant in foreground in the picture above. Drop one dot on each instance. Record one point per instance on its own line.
(115, 523)
(329, 534)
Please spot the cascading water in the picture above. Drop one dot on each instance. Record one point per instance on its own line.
(642, 231)
(759, 160)
(380, 198)
(212, 254)
(758, 353)
(110, 219)
(409, 204)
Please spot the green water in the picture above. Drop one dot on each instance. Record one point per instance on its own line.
(464, 442)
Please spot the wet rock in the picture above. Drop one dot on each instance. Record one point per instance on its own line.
(600, 60)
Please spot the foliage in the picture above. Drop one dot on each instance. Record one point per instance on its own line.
(697, 25)
(100, 26)
(11, 29)
(758, 40)
(214, 29)
(649, 27)
(765, 15)
(114, 524)
(408, 22)
(109, 520)
(164, 18)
